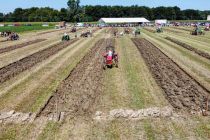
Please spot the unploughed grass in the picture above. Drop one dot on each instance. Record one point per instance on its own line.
(22, 28)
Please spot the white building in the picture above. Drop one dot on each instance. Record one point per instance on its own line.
(208, 17)
(123, 20)
(161, 21)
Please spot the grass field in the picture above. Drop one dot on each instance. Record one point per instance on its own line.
(128, 102)
(22, 28)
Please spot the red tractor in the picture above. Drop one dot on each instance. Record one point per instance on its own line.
(206, 28)
(110, 58)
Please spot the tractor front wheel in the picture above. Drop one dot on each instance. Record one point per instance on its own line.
(104, 67)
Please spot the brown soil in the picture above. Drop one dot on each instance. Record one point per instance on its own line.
(77, 94)
(10, 48)
(95, 29)
(112, 30)
(21, 65)
(188, 47)
(76, 31)
(181, 90)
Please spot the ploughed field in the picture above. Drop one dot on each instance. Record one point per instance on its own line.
(78, 92)
(182, 91)
(59, 90)
(19, 66)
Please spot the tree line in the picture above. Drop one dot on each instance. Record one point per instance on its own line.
(76, 13)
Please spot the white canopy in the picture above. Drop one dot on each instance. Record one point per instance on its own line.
(124, 20)
(208, 17)
(161, 21)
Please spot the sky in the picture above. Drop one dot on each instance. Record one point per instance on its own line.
(9, 5)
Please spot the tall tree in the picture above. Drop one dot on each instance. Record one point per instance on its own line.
(63, 14)
(18, 14)
(74, 9)
(1, 17)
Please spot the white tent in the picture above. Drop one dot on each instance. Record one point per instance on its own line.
(123, 20)
(208, 18)
(161, 21)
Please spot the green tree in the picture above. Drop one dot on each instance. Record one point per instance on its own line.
(1, 17)
(191, 14)
(18, 14)
(63, 14)
(75, 12)
(74, 9)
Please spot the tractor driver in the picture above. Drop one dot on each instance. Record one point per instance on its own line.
(108, 54)
(111, 54)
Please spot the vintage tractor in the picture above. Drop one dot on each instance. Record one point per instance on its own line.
(127, 31)
(198, 31)
(65, 37)
(137, 32)
(159, 30)
(206, 28)
(110, 58)
(86, 34)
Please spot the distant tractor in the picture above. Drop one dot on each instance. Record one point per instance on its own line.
(86, 34)
(198, 31)
(65, 37)
(159, 30)
(206, 28)
(127, 31)
(137, 32)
